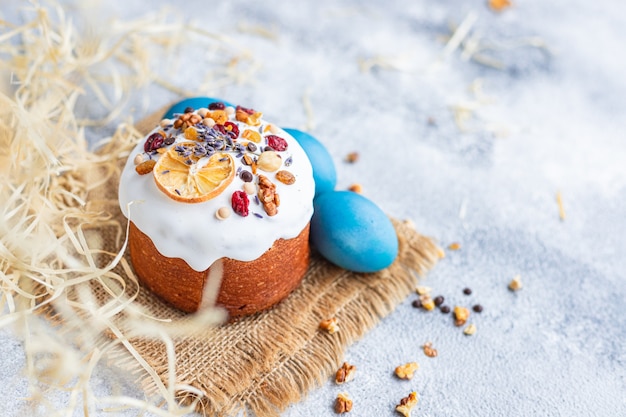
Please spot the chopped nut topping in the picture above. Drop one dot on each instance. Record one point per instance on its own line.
(406, 404)
(515, 284)
(268, 196)
(145, 167)
(470, 330)
(345, 373)
(461, 314)
(285, 177)
(186, 120)
(429, 350)
(343, 403)
(269, 161)
(330, 325)
(407, 370)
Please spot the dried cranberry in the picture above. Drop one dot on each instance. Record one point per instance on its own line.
(233, 132)
(154, 142)
(245, 110)
(217, 105)
(240, 203)
(220, 128)
(277, 143)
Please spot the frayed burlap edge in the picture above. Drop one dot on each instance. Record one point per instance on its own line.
(263, 363)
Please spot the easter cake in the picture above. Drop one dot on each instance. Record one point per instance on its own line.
(217, 197)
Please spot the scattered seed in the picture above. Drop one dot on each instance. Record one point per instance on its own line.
(417, 303)
(445, 309)
(189, 109)
(438, 300)
(478, 308)
(356, 188)
(467, 291)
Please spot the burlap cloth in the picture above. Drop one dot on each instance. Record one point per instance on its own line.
(267, 361)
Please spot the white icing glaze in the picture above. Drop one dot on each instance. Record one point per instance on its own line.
(192, 232)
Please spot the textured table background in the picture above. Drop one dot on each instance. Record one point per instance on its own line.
(472, 154)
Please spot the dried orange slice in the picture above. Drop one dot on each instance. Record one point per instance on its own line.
(191, 179)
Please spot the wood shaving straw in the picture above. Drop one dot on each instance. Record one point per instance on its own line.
(51, 256)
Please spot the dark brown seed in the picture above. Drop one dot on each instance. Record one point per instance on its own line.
(445, 309)
(251, 147)
(416, 303)
(246, 176)
(189, 109)
(438, 300)
(478, 308)
(169, 140)
(467, 291)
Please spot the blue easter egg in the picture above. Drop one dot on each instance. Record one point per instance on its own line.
(352, 232)
(324, 173)
(195, 102)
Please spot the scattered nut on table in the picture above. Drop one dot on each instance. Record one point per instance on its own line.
(461, 314)
(407, 370)
(406, 404)
(429, 350)
(330, 325)
(515, 284)
(343, 403)
(345, 373)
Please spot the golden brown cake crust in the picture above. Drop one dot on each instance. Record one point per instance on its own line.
(246, 287)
